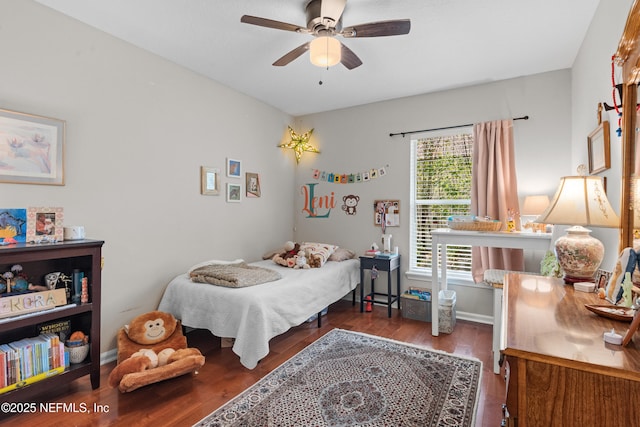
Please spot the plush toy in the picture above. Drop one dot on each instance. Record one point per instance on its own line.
(301, 260)
(152, 348)
(314, 261)
(289, 256)
(290, 250)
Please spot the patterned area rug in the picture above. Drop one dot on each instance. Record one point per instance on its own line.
(352, 379)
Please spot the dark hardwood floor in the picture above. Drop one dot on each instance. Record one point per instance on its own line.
(185, 400)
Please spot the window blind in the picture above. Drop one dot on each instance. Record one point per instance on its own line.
(441, 187)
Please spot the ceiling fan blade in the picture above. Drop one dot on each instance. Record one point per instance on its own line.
(270, 23)
(348, 58)
(378, 29)
(294, 54)
(332, 9)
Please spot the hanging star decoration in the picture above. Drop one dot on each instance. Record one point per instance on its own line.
(299, 143)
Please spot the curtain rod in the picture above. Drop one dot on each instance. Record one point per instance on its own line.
(447, 127)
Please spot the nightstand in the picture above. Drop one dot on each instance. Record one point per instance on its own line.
(381, 264)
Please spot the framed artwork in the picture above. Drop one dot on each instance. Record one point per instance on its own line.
(234, 168)
(234, 193)
(602, 278)
(32, 149)
(599, 148)
(209, 181)
(252, 184)
(13, 224)
(387, 212)
(45, 223)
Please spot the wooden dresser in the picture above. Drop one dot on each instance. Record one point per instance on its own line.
(559, 370)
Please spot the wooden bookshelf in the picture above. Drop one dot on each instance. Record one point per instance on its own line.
(37, 260)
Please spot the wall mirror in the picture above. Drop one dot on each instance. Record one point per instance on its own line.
(628, 57)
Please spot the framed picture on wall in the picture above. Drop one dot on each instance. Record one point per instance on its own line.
(32, 149)
(234, 168)
(387, 212)
(252, 184)
(209, 181)
(599, 148)
(234, 193)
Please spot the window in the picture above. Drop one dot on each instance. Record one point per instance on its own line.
(440, 188)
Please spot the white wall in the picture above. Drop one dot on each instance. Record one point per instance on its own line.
(138, 130)
(591, 84)
(358, 138)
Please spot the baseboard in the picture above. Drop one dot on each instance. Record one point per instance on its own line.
(108, 356)
(474, 317)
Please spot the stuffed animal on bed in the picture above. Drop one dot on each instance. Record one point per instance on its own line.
(289, 255)
(301, 260)
(152, 348)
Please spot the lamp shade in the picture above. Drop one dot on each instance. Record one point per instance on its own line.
(325, 51)
(580, 200)
(535, 205)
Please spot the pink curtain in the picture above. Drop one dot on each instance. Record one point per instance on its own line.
(494, 192)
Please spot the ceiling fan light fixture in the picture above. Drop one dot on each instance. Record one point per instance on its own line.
(325, 51)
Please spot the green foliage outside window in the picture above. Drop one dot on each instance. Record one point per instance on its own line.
(442, 189)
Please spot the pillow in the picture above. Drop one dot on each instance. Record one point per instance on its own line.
(342, 254)
(319, 251)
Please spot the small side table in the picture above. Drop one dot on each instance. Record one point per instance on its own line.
(381, 264)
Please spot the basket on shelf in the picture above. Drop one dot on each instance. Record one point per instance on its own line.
(494, 225)
(78, 353)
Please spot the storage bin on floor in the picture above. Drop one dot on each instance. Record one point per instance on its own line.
(415, 303)
(446, 311)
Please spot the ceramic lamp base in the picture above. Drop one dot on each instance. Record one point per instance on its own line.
(579, 254)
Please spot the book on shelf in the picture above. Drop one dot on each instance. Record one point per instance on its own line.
(371, 253)
(27, 358)
(387, 255)
(61, 327)
(33, 379)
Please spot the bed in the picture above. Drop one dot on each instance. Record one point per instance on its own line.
(253, 315)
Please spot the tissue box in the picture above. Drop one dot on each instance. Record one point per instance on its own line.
(584, 286)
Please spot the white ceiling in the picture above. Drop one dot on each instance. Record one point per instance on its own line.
(452, 43)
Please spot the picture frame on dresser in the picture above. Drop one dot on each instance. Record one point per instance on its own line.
(34, 149)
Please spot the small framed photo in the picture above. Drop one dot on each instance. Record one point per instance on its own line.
(32, 149)
(599, 148)
(234, 168)
(601, 278)
(234, 193)
(45, 224)
(209, 181)
(252, 184)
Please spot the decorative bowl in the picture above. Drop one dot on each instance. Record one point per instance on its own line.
(77, 353)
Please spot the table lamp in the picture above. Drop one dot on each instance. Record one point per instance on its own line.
(533, 206)
(580, 201)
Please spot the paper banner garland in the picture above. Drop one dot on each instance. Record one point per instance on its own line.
(350, 178)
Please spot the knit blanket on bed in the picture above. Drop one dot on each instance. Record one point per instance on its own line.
(237, 275)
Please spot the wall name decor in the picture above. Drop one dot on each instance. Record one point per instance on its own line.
(317, 206)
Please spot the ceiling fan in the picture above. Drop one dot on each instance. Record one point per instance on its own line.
(324, 22)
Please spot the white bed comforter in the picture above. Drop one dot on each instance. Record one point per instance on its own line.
(255, 314)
